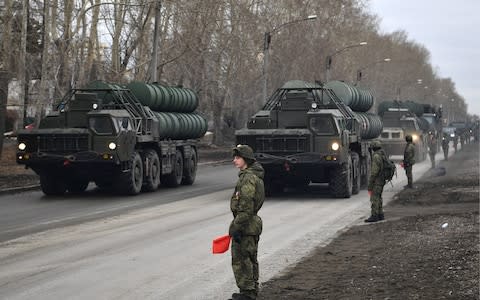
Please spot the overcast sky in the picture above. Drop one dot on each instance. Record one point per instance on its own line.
(450, 30)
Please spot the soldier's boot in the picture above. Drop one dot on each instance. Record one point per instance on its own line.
(238, 296)
(381, 217)
(373, 218)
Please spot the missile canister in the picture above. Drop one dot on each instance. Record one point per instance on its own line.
(371, 125)
(181, 125)
(358, 99)
(412, 106)
(164, 99)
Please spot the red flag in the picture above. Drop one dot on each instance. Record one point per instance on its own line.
(221, 244)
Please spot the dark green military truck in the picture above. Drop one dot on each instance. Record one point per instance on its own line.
(309, 133)
(109, 135)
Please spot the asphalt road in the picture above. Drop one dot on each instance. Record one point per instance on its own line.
(158, 245)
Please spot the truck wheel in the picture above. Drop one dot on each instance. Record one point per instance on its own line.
(174, 179)
(77, 186)
(341, 181)
(52, 185)
(190, 169)
(356, 172)
(366, 165)
(131, 181)
(152, 169)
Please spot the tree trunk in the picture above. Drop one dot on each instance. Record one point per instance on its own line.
(44, 83)
(92, 54)
(119, 21)
(3, 105)
(22, 71)
(7, 17)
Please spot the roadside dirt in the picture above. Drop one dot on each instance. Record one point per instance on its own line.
(427, 248)
(13, 175)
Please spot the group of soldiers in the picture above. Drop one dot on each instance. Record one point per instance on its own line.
(464, 137)
(249, 195)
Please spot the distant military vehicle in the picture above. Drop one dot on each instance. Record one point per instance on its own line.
(113, 136)
(402, 118)
(308, 133)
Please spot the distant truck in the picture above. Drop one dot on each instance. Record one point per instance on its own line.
(308, 133)
(409, 118)
(111, 135)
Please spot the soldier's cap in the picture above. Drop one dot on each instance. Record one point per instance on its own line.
(243, 151)
(408, 138)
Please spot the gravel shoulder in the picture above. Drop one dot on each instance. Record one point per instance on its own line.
(427, 248)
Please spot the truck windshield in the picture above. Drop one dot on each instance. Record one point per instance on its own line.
(322, 125)
(101, 125)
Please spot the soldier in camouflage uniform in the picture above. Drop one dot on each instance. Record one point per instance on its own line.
(246, 227)
(376, 182)
(409, 160)
(432, 147)
(445, 141)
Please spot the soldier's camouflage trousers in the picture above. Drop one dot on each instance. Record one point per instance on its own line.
(408, 171)
(245, 265)
(376, 200)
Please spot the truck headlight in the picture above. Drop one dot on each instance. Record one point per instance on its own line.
(112, 146)
(335, 146)
(415, 137)
(452, 134)
(22, 146)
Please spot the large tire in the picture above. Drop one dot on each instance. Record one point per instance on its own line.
(152, 169)
(77, 186)
(341, 181)
(366, 165)
(174, 179)
(52, 185)
(190, 168)
(130, 182)
(356, 171)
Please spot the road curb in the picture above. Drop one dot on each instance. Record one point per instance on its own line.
(20, 189)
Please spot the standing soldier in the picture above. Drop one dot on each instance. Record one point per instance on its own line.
(376, 183)
(246, 227)
(432, 147)
(445, 146)
(409, 160)
(462, 140)
(455, 141)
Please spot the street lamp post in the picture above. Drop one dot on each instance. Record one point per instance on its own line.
(359, 71)
(266, 47)
(328, 62)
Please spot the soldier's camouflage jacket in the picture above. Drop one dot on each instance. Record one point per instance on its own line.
(376, 172)
(409, 155)
(246, 201)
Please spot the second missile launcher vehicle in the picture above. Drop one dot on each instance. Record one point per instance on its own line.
(308, 133)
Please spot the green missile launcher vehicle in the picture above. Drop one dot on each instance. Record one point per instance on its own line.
(309, 133)
(104, 134)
